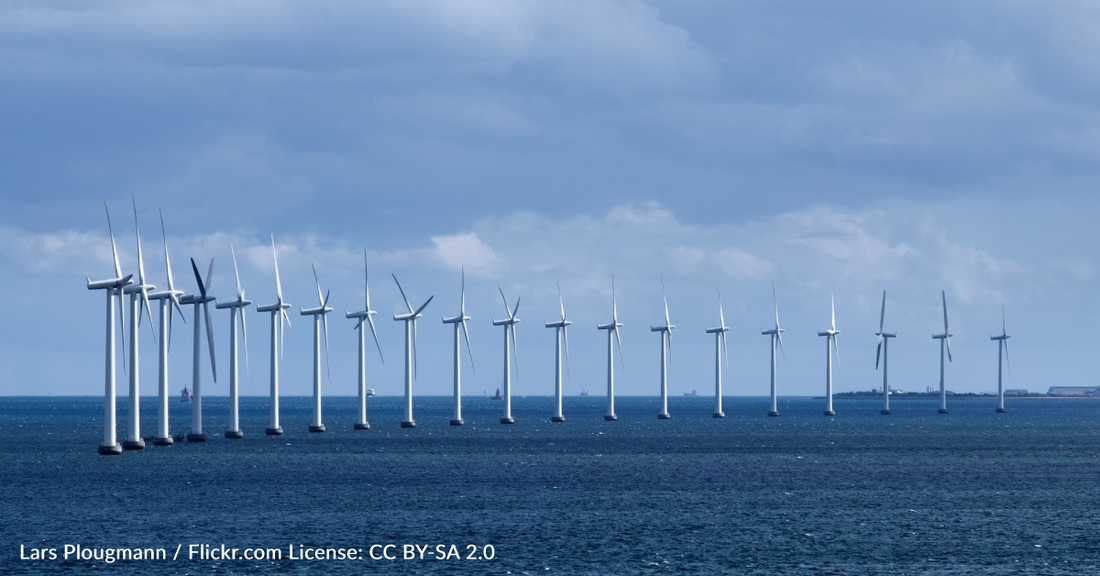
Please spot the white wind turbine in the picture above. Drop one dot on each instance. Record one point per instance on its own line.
(560, 333)
(278, 316)
(612, 328)
(113, 288)
(367, 316)
(137, 305)
(459, 323)
(169, 301)
(319, 317)
(666, 335)
(883, 346)
(509, 324)
(830, 346)
(777, 336)
(945, 341)
(719, 351)
(235, 307)
(410, 350)
(1002, 348)
(203, 299)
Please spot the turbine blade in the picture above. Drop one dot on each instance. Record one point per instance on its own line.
(402, 293)
(948, 342)
(781, 349)
(565, 334)
(725, 349)
(620, 341)
(114, 249)
(414, 346)
(370, 320)
(668, 334)
(832, 305)
(1004, 323)
(122, 326)
(560, 302)
(286, 317)
(466, 332)
(366, 280)
(320, 297)
(721, 315)
(236, 272)
(328, 364)
(878, 352)
(278, 282)
(1007, 361)
(516, 309)
(945, 329)
(282, 332)
(167, 263)
(507, 310)
(882, 315)
(244, 333)
(324, 303)
(462, 308)
(423, 306)
(209, 277)
(614, 306)
(775, 302)
(836, 347)
(515, 352)
(210, 338)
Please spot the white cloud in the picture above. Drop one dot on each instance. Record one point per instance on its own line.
(467, 251)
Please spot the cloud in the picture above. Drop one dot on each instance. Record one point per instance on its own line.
(467, 251)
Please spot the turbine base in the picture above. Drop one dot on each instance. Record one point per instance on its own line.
(167, 441)
(458, 422)
(196, 437)
(942, 411)
(610, 417)
(234, 434)
(773, 413)
(664, 416)
(363, 426)
(885, 412)
(133, 445)
(830, 413)
(318, 428)
(718, 415)
(408, 424)
(1001, 410)
(507, 420)
(557, 418)
(276, 431)
(110, 449)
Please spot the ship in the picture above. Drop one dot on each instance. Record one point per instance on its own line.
(498, 396)
(584, 392)
(185, 395)
(370, 393)
(692, 393)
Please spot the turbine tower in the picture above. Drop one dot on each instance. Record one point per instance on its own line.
(777, 336)
(234, 307)
(830, 346)
(560, 332)
(509, 324)
(367, 315)
(169, 302)
(278, 316)
(319, 317)
(883, 346)
(719, 351)
(612, 328)
(137, 306)
(459, 323)
(1002, 349)
(945, 341)
(410, 351)
(666, 334)
(203, 299)
(113, 288)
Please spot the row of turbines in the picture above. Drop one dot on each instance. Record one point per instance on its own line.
(141, 294)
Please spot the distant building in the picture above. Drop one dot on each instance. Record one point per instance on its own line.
(1074, 391)
(1017, 392)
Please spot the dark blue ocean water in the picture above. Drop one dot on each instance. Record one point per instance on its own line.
(972, 492)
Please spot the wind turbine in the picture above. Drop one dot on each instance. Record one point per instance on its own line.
(137, 305)
(169, 301)
(945, 341)
(319, 317)
(234, 306)
(719, 350)
(410, 351)
(278, 316)
(830, 346)
(560, 332)
(112, 287)
(777, 336)
(1002, 348)
(612, 328)
(666, 334)
(883, 346)
(361, 423)
(203, 299)
(509, 324)
(459, 323)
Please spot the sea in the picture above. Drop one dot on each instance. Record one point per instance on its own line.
(915, 492)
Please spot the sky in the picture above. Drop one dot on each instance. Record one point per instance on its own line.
(831, 150)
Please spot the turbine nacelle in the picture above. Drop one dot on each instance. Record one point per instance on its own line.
(111, 283)
(558, 324)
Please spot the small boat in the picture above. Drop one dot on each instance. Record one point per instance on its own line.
(498, 396)
(370, 393)
(692, 393)
(185, 395)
